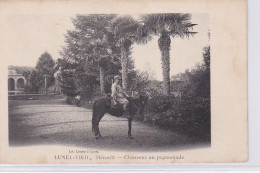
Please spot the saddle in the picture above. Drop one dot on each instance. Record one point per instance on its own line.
(114, 103)
(110, 102)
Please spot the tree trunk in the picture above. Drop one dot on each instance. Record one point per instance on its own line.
(164, 45)
(45, 84)
(102, 80)
(124, 67)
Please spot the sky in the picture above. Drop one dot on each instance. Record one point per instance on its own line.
(28, 36)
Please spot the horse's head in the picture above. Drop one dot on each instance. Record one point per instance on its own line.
(142, 103)
(143, 100)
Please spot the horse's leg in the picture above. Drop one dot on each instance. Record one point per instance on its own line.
(96, 130)
(97, 125)
(95, 122)
(95, 116)
(130, 128)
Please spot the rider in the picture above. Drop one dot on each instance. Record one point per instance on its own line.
(119, 95)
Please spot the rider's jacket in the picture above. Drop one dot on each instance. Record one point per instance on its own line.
(117, 91)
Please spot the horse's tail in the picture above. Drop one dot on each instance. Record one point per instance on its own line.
(94, 116)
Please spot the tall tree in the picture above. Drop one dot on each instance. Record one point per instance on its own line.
(36, 81)
(166, 26)
(92, 47)
(126, 33)
(45, 66)
(101, 40)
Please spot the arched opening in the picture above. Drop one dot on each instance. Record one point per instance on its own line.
(20, 83)
(11, 84)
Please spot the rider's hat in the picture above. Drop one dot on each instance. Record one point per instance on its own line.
(117, 77)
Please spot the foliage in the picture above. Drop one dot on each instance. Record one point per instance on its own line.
(35, 77)
(125, 32)
(189, 113)
(93, 51)
(23, 69)
(100, 47)
(27, 75)
(165, 26)
(160, 103)
(85, 83)
(175, 24)
(189, 116)
(68, 86)
(139, 81)
(45, 66)
(195, 83)
(36, 80)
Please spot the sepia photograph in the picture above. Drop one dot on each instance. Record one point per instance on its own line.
(113, 86)
(107, 78)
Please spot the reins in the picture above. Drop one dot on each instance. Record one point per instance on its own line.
(132, 102)
(135, 106)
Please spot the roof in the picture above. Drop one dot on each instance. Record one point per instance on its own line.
(20, 69)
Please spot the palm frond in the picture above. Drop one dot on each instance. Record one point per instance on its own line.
(174, 24)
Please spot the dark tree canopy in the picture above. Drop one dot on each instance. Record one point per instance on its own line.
(45, 64)
(91, 54)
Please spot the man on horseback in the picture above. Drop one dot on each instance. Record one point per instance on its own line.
(130, 108)
(119, 95)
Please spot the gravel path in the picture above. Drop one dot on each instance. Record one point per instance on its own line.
(53, 122)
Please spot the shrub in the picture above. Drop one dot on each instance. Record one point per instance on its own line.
(69, 100)
(28, 89)
(160, 103)
(191, 113)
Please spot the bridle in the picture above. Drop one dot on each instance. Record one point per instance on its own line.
(140, 105)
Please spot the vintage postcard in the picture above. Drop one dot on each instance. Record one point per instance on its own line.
(123, 82)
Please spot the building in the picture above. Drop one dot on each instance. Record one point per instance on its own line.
(16, 80)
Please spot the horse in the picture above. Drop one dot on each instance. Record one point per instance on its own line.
(103, 105)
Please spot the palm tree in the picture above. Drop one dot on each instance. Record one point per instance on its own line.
(125, 29)
(166, 26)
